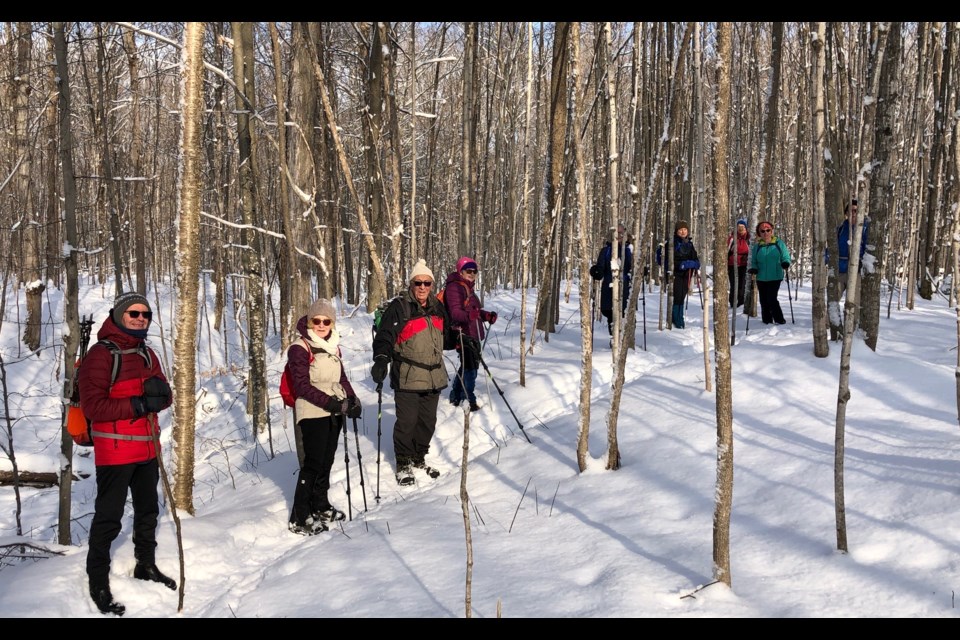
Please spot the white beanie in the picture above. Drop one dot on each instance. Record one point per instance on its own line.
(420, 269)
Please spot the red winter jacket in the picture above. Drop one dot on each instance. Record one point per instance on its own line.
(108, 407)
(743, 249)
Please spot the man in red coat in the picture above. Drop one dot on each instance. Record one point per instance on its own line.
(122, 409)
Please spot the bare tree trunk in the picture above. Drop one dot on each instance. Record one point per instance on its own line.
(106, 162)
(71, 337)
(137, 209)
(188, 266)
(547, 301)
(928, 257)
(883, 200)
(31, 275)
(468, 176)
(251, 257)
(880, 31)
(821, 343)
(586, 321)
(723, 504)
(525, 196)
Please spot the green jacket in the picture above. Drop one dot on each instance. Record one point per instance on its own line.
(766, 258)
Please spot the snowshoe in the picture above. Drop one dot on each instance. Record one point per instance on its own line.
(405, 476)
(430, 471)
(330, 514)
(308, 527)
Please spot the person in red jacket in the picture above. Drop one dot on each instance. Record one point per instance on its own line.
(123, 417)
(738, 248)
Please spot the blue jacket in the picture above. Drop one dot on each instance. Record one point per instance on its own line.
(843, 242)
(626, 269)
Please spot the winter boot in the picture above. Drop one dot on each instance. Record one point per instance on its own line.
(100, 593)
(150, 572)
(678, 316)
(405, 472)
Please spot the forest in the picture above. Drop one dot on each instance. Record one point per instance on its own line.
(323, 159)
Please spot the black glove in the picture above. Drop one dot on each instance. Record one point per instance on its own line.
(353, 407)
(379, 370)
(156, 386)
(752, 272)
(142, 405)
(785, 265)
(491, 317)
(335, 406)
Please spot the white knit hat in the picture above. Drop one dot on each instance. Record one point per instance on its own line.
(420, 269)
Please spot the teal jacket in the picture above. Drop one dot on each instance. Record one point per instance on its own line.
(766, 258)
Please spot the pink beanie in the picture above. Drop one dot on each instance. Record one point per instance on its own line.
(466, 262)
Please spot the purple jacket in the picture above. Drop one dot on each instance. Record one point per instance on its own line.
(463, 306)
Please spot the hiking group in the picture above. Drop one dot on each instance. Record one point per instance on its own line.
(122, 385)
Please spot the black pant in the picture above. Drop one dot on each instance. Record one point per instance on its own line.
(320, 439)
(113, 481)
(416, 422)
(681, 283)
(770, 310)
(741, 283)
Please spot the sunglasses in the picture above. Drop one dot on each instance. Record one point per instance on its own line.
(422, 283)
(470, 271)
(766, 230)
(148, 315)
(322, 321)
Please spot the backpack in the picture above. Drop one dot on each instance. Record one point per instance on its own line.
(379, 311)
(78, 425)
(286, 387)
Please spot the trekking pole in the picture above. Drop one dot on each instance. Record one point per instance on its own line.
(753, 289)
(500, 391)
(379, 416)
(644, 301)
(173, 504)
(356, 435)
(346, 463)
(699, 287)
(786, 272)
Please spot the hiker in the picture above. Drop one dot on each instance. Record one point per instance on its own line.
(410, 338)
(125, 444)
(738, 250)
(769, 260)
(604, 266)
(685, 262)
(325, 399)
(466, 320)
(845, 239)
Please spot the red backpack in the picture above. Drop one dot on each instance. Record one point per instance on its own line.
(286, 387)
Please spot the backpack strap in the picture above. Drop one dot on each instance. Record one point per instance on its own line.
(118, 353)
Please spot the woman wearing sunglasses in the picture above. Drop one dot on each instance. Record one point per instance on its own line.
(123, 418)
(466, 320)
(769, 259)
(410, 339)
(324, 399)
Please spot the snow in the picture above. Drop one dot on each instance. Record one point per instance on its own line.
(547, 541)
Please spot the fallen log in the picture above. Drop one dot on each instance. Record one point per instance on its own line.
(37, 479)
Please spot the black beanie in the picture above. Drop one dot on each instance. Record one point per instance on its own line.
(123, 302)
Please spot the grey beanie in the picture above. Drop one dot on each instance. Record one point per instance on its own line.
(123, 302)
(322, 307)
